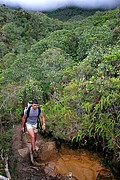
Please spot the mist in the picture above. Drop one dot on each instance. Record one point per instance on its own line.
(50, 5)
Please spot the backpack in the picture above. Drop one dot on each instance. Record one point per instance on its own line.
(28, 105)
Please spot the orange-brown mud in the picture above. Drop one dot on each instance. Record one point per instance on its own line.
(82, 164)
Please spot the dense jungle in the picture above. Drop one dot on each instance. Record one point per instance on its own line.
(68, 59)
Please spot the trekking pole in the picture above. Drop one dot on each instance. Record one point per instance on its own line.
(39, 125)
(21, 136)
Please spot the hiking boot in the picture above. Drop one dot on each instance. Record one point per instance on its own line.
(35, 154)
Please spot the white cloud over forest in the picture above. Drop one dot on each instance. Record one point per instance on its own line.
(47, 5)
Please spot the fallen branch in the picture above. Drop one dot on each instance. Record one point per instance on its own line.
(5, 159)
(6, 168)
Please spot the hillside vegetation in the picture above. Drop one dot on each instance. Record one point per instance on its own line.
(69, 60)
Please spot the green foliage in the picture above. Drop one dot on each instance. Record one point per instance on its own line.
(69, 14)
(51, 64)
(3, 49)
(61, 120)
(24, 28)
(5, 142)
(64, 39)
(7, 60)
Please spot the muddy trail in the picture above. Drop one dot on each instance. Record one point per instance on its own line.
(21, 166)
(51, 164)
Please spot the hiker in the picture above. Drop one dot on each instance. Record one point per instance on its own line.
(31, 123)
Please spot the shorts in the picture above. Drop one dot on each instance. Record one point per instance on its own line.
(31, 126)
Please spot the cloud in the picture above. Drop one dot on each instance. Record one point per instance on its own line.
(48, 5)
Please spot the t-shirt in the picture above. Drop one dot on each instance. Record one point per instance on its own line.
(33, 116)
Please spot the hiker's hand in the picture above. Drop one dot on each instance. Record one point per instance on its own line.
(43, 127)
(22, 129)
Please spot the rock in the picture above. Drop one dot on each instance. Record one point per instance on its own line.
(47, 151)
(105, 175)
(115, 164)
(23, 152)
(50, 169)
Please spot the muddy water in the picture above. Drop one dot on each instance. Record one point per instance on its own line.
(82, 164)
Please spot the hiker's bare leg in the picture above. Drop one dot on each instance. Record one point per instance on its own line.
(33, 136)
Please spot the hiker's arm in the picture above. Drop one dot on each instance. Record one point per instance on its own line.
(23, 123)
(43, 121)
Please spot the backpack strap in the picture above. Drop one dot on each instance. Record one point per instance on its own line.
(39, 125)
(39, 111)
(28, 111)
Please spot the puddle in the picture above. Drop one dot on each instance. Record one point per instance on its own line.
(83, 165)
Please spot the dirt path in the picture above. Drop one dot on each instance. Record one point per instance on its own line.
(21, 167)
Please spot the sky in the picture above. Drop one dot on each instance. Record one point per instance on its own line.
(50, 5)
